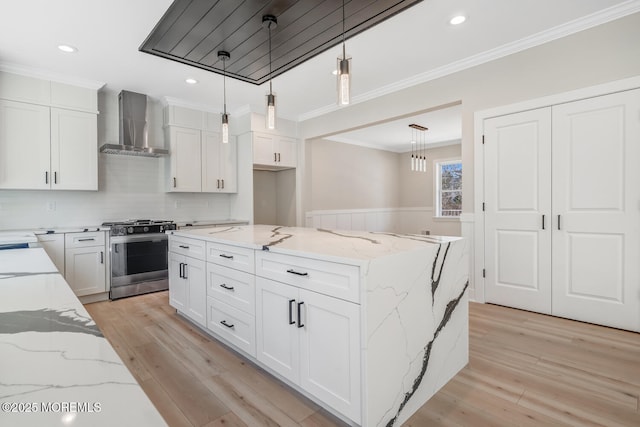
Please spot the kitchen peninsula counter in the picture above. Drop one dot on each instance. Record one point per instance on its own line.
(56, 367)
(406, 295)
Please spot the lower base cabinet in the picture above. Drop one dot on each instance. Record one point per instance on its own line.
(312, 340)
(187, 287)
(85, 262)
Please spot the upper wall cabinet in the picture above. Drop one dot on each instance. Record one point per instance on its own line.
(44, 147)
(199, 161)
(274, 152)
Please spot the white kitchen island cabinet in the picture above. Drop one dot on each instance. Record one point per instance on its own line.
(368, 325)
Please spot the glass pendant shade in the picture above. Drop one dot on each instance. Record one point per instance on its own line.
(225, 128)
(271, 111)
(344, 81)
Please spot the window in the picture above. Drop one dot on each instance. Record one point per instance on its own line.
(448, 188)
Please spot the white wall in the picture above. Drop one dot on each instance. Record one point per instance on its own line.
(129, 187)
(594, 56)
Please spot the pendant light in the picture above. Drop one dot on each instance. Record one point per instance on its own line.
(270, 22)
(223, 56)
(344, 65)
(418, 148)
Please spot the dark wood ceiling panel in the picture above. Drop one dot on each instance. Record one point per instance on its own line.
(193, 31)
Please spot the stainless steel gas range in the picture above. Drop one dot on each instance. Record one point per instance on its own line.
(139, 256)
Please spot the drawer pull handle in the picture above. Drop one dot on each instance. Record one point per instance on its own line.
(86, 240)
(226, 256)
(183, 247)
(297, 272)
(224, 323)
(229, 288)
(300, 324)
(291, 321)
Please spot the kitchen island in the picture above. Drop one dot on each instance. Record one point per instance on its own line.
(369, 325)
(56, 367)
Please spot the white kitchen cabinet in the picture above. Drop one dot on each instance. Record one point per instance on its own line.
(188, 282)
(561, 217)
(53, 244)
(24, 146)
(311, 340)
(85, 262)
(274, 151)
(43, 146)
(219, 170)
(185, 170)
(74, 150)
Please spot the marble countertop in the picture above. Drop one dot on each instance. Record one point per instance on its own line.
(211, 222)
(56, 367)
(17, 237)
(345, 246)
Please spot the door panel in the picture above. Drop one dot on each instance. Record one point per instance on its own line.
(517, 197)
(277, 339)
(596, 197)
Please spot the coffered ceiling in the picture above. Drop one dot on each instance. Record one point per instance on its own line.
(193, 31)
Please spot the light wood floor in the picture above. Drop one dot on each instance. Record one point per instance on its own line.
(525, 369)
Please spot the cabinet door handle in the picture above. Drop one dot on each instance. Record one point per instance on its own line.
(297, 272)
(543, 222)
(226, 256)
(291, 321)
(279, 157)
(224, 323)
(275, 157)
(90, 239)
(180, 270)
(222, 183)
(101, 257)
(46, 177)
(229, 288)
(185, 269)
(300, 324)
(558, 222)
(183, 246)
(217, 183)
(55, 177)
(174, 182)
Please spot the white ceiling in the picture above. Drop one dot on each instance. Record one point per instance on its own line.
(411, 47)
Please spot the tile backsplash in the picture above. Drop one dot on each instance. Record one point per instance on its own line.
(129, 187)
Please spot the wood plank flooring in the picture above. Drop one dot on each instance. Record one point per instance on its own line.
(525, 369)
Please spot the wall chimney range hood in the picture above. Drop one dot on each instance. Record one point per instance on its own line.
(133, 124)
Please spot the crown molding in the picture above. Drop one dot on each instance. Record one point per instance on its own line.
(394, 149)
(46, 75)
(589, 21)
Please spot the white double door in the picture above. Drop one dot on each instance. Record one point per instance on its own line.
(562, 210)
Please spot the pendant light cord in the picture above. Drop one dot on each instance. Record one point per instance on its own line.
(270, 73)
(224, 84)
(344, 54)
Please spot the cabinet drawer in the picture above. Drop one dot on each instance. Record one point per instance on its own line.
(329, 278)
(236, 288)
(190, 247)
(82, 240)
(234, 325)
(231, 256)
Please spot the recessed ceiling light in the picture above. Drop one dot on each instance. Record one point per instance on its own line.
(67, 49)
(191, 81)
(457, 20)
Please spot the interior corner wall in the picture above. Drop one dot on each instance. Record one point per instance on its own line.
(346, 176)
(264, 200)
(594, 56)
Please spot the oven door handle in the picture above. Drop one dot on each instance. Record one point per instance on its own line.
(153, 237)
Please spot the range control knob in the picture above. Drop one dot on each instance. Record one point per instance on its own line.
(130, 230)
(146, 229)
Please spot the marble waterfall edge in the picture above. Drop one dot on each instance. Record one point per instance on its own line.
(408, 361)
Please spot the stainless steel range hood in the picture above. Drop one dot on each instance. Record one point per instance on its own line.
(133, 128)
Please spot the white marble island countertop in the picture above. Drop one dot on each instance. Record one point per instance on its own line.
(342, 246)
(56, 367)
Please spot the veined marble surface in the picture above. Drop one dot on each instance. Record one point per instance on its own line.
(56, 368)
(323, 244)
